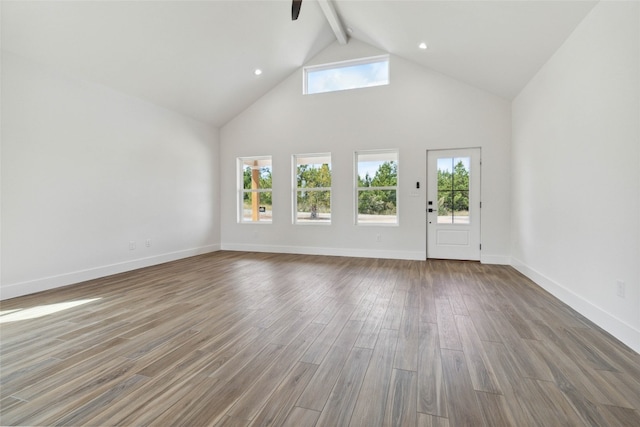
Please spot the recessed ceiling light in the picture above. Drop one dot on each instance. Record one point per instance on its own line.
(422, 45)
(257, 71)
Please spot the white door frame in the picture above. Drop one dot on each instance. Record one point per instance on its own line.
(465, 251)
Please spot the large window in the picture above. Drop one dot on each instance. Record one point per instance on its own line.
(376, 187)
(312, 189)
(254, 190)
(355, 74)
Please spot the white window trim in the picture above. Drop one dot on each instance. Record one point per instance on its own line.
(294, 186)
(357, 189)
(342, 64)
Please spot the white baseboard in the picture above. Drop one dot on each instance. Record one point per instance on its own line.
(356, 253)
(495, 259)
(38, 285)
(307, 250)
(607, 321)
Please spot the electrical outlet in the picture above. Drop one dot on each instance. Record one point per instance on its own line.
(147, 243)
(378, 237)
(132, 245)
(620, 288)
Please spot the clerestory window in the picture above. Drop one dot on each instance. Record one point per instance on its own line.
(353, 74)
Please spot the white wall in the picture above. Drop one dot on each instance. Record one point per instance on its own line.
(576, 171)
(86, 170)
(419, 110)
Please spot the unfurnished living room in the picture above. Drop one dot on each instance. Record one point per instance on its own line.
(320, 213)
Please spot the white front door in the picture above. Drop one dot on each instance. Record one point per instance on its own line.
(453, 204)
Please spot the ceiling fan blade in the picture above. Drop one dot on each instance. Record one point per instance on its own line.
(295, 9)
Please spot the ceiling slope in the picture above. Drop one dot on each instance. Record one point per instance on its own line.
(494, 45)
(198, 58)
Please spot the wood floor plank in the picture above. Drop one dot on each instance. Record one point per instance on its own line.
(301, 417)
(83, 413)
(401, 403)
(370, 406)
(318, 350)
(283, 398)
(9, 404)
(232, 422)
(393, 316)
(617, 416)
(317, 392)
(342, 400)
(511, 383)
(624, 384)
(167, 389)
(425, 420)
(373, 324)
(624, 359)
(547, 397)
(408, 340)
(45, 406)
(449, 337)
(252, 401)
(58, 374)
(589, 365)
(482, 375)
(568, 374)
(529, 364)
(427, 302)
(463, 407)
(225, 339)
(210, 407)
(495, 410)
(431, 389)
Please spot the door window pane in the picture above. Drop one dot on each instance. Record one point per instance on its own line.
(453, 190)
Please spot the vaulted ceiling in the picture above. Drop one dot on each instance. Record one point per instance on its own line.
(199, 57)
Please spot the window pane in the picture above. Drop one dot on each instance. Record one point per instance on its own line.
(377, 182)
(445, 207)
(256, 178)
(445, 175)
(313, 175)
(257, 207)
(364, 73)
(313, 206)
(453, 190)
(461, 207)
(461, 173)
(255, 183)
(378, 174)
(377, 206)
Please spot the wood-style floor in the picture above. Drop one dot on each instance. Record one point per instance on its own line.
(239, 339)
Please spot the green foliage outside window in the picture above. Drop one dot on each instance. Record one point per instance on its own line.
(265, 183)
(378, 201)
(310, 179)
(453, 190)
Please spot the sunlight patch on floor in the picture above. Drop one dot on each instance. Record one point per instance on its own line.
(41, 310)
